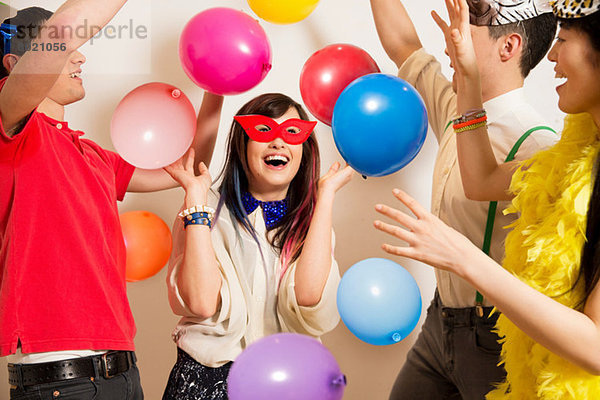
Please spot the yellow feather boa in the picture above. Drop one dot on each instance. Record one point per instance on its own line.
(544, 249)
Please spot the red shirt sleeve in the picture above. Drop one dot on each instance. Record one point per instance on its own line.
(122, 169)
(123, 172)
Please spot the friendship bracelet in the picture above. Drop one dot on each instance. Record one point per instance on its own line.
(195, 209)
(469, 116)
(471, 127)
(471, 122)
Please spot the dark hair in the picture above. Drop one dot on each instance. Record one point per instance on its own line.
(589, 268)
(537, 33)
(292, 229)
(27, 24)
(590, 26)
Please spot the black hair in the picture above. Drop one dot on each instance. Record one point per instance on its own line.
(590, 26)
(537, 33)
(24, 27)
(293, 227)
(589, 269)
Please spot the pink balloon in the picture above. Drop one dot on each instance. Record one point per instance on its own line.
(225, 51)
(153, 126)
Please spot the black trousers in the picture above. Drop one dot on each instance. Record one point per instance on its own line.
(124, 386)
(455, 357)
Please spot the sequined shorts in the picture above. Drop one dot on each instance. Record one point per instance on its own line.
(190, 380)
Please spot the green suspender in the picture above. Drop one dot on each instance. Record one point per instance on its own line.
(489, 227)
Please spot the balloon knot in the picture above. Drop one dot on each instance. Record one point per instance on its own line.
(340, 380)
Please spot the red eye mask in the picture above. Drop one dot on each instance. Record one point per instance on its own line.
(264, 129)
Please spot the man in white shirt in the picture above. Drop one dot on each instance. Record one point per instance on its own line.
(456, 355)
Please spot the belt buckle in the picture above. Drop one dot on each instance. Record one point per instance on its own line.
(105, 365)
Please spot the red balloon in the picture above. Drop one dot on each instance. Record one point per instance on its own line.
(148, 242)
(327, 73)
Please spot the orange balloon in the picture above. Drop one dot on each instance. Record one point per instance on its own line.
(148, 242)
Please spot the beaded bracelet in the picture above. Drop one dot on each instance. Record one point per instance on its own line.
(470, 127)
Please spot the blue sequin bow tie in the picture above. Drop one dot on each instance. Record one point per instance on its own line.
(272, 210)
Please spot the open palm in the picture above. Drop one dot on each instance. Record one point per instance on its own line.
(459, 42)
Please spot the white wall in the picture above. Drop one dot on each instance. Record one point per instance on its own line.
(114, 68)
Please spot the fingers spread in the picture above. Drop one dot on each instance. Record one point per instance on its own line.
(451, 7)
(397, 215)
(398, 250)
(439, 21)
(394, 230)
(414, 206)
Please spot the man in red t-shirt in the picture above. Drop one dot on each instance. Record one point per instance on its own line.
(65, 322)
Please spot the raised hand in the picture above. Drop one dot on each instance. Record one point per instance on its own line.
(335, 179)
(182, 171)
(459, 43)
(429, 239)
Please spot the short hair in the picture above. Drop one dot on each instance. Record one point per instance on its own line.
(538, 34)
(27, 24)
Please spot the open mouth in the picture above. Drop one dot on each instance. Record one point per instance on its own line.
(560, 78)
(276, 161)
(75, 75)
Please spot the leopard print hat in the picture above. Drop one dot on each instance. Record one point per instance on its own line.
(502, 12)
(574, 8)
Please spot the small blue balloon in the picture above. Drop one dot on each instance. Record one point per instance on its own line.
(379, 301)
(379, 124)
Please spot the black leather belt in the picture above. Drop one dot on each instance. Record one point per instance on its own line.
(106, 365)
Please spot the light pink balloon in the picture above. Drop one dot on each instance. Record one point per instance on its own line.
(225, 51)
(153, 126)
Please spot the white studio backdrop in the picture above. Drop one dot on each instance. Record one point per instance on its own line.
(115, 66)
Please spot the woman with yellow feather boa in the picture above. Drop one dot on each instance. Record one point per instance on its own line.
(548, 290)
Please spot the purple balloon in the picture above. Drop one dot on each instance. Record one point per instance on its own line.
(225, 51)
(286, 366)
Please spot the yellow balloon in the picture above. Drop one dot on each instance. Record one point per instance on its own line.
(283, 11)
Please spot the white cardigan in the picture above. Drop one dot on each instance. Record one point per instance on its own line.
(252, 305)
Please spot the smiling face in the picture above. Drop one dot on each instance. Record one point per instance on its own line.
(578, 68)
(273, 165)
(68, 88)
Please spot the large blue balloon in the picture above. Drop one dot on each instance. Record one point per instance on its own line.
(379, 124)
(379, 301)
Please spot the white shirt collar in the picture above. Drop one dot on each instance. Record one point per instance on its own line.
(500, 104)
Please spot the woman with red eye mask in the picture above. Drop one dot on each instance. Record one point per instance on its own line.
(254, 255)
